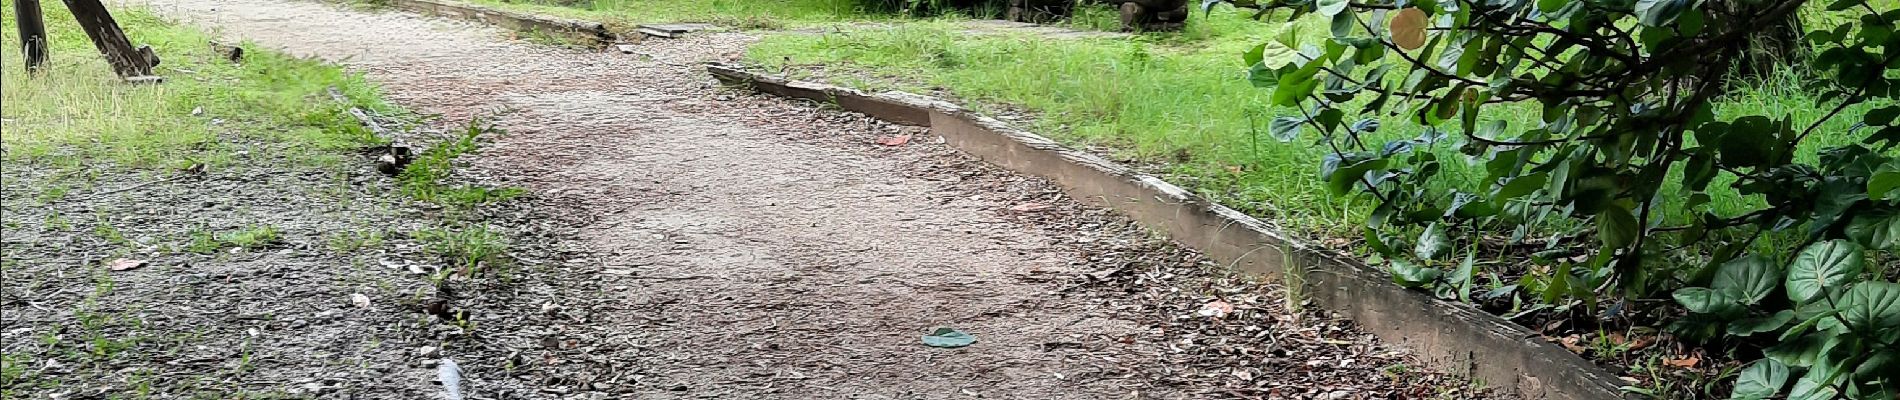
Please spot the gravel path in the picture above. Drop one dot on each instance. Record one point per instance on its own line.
(736, 246)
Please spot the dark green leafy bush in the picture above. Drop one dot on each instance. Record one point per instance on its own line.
(1612, 188)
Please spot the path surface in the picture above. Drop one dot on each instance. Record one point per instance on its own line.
(733, 246)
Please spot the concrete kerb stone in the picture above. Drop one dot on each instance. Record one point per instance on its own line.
(584, 31)
(1452, 337)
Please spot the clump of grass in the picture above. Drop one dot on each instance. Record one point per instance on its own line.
(424, 178)
(348, 241)
(253, 237)
(471, 249)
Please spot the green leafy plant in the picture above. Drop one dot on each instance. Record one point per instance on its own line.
(1607, 194)
(1835, 328)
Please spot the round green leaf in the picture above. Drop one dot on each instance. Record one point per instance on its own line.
(1617, 227)
(1411, 275)
(1762, 380)
(1877, 230)
(1331, 7)
(1883, 116)
(1750, 326)
(1703, 300)
(1661, 12)
(1285, 129)
(1814, 385)
(1432, 243)
(1872, 307)
(948, 338)
(1823, 267)
(1754, 277)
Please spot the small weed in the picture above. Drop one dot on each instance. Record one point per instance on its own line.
(104, 230)
(256, 237)
(203, 242)
(13, 368)
(344, 242)
(252, 237)
(469, 195)
(53, 193)
(470, 249)
(56, 222)
(423, 178)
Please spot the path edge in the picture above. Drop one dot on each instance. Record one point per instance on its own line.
(589, 32)
(1451, 337)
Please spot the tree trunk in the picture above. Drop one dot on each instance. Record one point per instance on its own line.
(1773, 47)
(32, 32)
(127, 61)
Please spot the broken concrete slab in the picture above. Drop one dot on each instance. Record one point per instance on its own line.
(670, 31)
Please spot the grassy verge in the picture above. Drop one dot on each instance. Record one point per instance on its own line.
(1178, 102)
(747, 14)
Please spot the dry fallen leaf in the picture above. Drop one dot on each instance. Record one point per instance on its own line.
(125, 264)
(898, 140)
(1031, 207)
(1642, 342)
(1570, 342)
(1216, 309)
(1683, 362)
(359, 300)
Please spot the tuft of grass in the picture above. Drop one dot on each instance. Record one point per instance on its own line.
(346, 242)
(202, 241)
(471, 249)
(424, 178)
(254, 237)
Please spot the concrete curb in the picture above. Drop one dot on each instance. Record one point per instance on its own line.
(1451, 337)
(582, 31)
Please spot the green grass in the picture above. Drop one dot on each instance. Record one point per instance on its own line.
(749, 14)
(424, 178)
(1178, 102)
(76, 113)
(471, 249)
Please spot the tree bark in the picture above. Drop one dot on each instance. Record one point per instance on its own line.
(32, 32)
(127, 61)
(1773, 47)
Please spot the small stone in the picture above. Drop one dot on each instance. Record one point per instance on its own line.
(429, 352)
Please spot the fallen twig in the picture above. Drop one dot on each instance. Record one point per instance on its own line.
(128, 188)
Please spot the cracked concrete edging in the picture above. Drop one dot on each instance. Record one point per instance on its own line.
(1451, 337)
(582, 31)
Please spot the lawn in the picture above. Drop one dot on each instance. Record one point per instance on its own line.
(78, 112)
(1178, 102)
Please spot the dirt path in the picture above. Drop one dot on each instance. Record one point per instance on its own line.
(733, 246)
